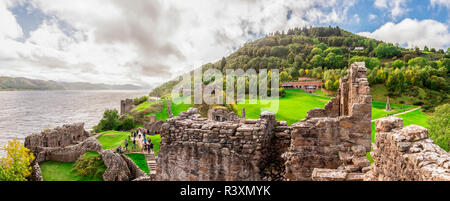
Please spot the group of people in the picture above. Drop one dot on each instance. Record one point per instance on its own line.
(141, 139)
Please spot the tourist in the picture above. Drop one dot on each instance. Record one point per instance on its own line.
(151, 146)
(119, 150)
(134, 143)
(126, 144)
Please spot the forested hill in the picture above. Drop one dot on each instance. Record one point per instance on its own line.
(322, 53)
(11, 83)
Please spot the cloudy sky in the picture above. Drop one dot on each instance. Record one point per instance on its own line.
(147, 42)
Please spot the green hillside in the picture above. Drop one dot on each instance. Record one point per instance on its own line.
(408, 76)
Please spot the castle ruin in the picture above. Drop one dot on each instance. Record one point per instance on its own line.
(218, 148)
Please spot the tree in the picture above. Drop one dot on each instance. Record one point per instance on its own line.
(128, 123)
(16, 166)
(439, 126)
(418, 61)
(386, 51)
(284, 76)
(316, 51)
(398, 63)
(110, 121)
(316, 61)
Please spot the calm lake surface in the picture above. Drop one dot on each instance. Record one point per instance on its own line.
(26, 112)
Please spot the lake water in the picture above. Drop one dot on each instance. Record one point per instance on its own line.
(26, 112)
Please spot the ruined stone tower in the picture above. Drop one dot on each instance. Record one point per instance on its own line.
(335, 137)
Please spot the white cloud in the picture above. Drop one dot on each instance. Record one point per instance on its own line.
(372, 17)
(9, 27)
(413, 33)
(147, 42)
(440, 2)
(396, 8)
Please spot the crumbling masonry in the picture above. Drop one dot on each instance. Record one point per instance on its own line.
(337, 137)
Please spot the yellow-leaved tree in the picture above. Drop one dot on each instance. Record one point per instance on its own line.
(16, 165)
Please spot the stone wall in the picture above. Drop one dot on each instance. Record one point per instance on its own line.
(67, 154)
(126, 106)
(336, 137)
(406, 154)
(61, 136)
(194, 148)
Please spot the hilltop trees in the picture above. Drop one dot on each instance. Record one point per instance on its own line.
(384, 50)
(322, 53)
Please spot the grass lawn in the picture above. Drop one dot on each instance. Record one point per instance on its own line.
(112, 139)
(292, 108)
(143, 105)
(416, 117)
(140, 161)
(320, 92)
(61, 171)
(176, 109)
(156, 139)
(378, 109)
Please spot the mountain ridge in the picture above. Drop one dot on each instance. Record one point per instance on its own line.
(24, 84)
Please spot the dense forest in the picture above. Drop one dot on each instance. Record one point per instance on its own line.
(323, 53)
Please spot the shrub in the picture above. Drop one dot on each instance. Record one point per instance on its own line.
(128, 123)
(138, 101)
(110, 121)
(16, 166)
(439, 125)
(90, 165)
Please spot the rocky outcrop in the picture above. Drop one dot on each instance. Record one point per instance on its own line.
(406, 154)
(117, 167)
(60, 136)
(335, 138)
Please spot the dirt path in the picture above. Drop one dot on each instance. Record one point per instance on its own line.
(408, 111)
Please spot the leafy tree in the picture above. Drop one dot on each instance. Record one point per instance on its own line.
(316, 61)
(322, 46)
(384, 50)
(418, 61)
(439, 126)
(316, 51)
(398, 63)
(16, 166)
(128, 123)
(284, 76)
(110, 121)
(279, 51)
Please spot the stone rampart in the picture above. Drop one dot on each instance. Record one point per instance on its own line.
(406, 154)
(195, 148)
(60, 136)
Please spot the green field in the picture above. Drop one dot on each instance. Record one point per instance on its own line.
(292, 108)
(113, 139)
(176, 109)
(416, 117)
(61, 171)
(140, 161)
(143, 105)
(378, 109)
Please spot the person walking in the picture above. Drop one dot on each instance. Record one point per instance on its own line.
(126, 144)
